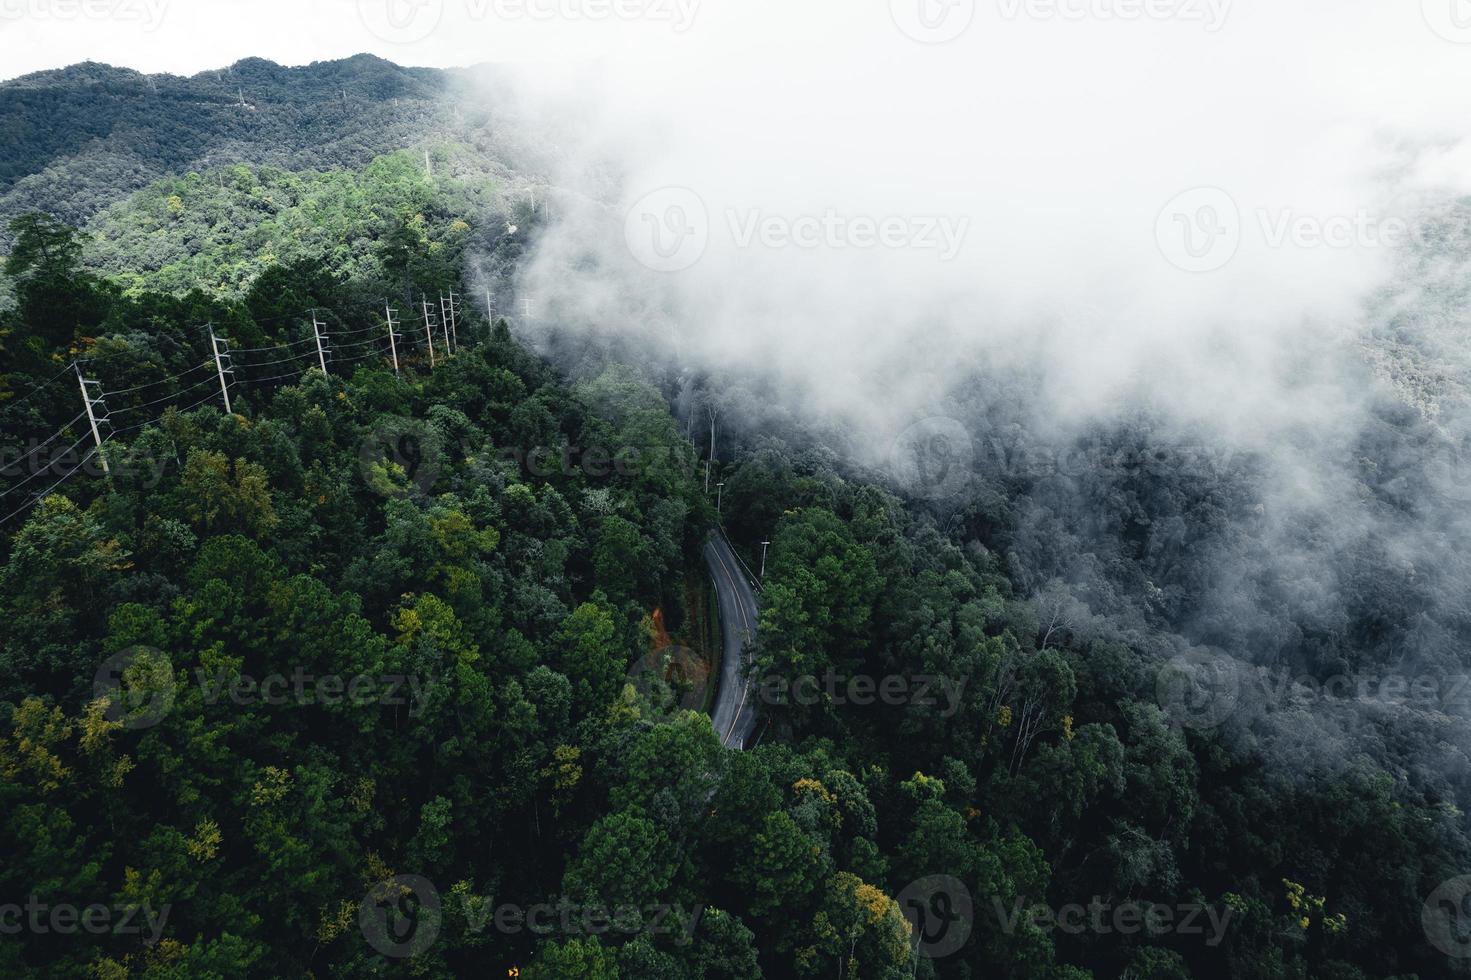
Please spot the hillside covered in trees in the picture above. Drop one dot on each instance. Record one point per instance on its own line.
(81, 138)
(341, 682)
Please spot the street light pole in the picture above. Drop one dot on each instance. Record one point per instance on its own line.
(764, 546)
(719, 492)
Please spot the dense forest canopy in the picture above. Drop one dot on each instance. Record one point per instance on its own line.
(341, 681)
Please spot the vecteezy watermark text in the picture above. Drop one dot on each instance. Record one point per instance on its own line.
(303, 688)
(1100, 917)
(1201, 690)
(942, 234)
(140, 688)
(409, 21)
(1211, 14)
(37, 459)
(401, 917)
(407, 454)
(149, 13)
(863, 690)
(669, 229)
(1202, 229)
(64, 919)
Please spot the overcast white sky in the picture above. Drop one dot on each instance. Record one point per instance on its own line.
(1386, 39)
(187, 36)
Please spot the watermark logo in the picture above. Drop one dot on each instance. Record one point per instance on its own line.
(1282, 227)
(148, 13)
(409, 21)
(940, 913)
(401, 21)
(40, 459)
(598, 462)
(1199, 230)
(63, 919)
(1446, 917)
(933, 21)
(1449, 468)
(571, 918)
(1198, 690)
(942, 234)
(401, 917)
(864, 690)
(1450, 19)
(399, 454)
(303, 688)
(139, 686)
(679, 14)
(668, 230)
(667, 681)
(1101, 918)
(1209, 13)
(933, 459)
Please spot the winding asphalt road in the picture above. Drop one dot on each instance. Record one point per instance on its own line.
(735, 703)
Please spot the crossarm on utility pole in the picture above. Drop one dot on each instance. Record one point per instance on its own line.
(89, 402)
(214, 346)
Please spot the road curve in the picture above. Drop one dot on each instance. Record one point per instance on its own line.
(735, 702)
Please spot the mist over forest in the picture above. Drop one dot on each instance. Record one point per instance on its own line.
(812, 499)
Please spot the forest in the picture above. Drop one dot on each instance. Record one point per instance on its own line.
(339, 683)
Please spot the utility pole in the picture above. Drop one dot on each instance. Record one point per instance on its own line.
(392, 340)
(318, 331)
(707, 478)
(454, 317)
(526, 310)
(89, 401)
(214, 346)
(429, 331)
(444, 327)
(764, 546)
(447, 319)
(428, 167)
(713, 413)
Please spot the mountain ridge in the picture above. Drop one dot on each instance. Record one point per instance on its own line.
(87, 136)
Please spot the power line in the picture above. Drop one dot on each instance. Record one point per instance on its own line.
(45, 493)
(40, 472)
(75, 419)
(373, 346)
(44, 384)
(153, 384)
(357, 343)
(139, 425)
(368, 347)
(349, 333)
(283, 360)
(134, 408)
(288, 374)
(256, 350)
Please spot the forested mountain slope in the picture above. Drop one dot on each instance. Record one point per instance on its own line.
(81, 138)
